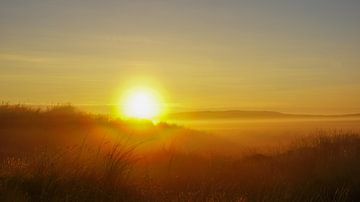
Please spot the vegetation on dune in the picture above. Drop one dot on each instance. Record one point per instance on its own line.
(60, 154)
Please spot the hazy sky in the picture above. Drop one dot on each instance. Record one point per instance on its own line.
(292, 56)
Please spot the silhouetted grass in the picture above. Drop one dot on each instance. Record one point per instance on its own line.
(60, 154)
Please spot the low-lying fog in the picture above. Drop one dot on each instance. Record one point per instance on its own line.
(265, 130)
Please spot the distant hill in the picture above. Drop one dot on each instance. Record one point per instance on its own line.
(238, 114)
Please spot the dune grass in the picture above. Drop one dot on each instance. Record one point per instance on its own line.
(60, 154)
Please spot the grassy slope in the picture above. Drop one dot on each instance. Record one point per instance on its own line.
(61, 154)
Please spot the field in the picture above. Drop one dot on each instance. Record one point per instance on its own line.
(61, 154)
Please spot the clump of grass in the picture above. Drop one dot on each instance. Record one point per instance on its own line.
(77, 175)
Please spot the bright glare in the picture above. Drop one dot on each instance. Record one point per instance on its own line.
(142, 104)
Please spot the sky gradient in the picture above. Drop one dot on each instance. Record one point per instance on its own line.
(291, 56)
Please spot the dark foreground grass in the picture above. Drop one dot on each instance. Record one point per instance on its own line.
(321, 167)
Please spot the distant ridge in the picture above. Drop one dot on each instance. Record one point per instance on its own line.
(239, 114)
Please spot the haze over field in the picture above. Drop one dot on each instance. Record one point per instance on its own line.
(179, 100)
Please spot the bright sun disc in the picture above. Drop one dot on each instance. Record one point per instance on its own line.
(141, 104)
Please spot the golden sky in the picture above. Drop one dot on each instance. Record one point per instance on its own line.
(290, 56)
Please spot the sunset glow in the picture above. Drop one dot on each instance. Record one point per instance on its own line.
(179, 100)
(141, 104)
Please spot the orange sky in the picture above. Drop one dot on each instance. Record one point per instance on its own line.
(301, 57)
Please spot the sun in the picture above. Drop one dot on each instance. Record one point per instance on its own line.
(142, 103)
